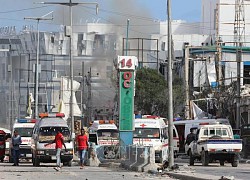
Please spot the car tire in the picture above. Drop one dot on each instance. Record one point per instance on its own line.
(204, 158)
(70, 163)
(222, 163)
(235, 161)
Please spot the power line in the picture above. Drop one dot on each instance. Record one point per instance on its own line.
(18, 10)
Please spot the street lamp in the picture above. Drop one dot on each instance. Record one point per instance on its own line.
(37, 58)
(71, 4)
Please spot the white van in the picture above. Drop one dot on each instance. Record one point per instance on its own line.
(105, 134)
(25, 129)
(183, 127)
(44, 132)
(152, 131)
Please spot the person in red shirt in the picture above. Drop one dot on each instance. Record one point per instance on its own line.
(59, 140)
(82, 143)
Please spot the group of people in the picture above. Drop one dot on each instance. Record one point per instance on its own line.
(81, 142)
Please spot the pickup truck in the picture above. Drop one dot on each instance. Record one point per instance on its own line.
(215, 143)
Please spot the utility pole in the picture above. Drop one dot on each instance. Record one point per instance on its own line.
(127, 37)
(239, 35)
(170, 89)
(83, 84)
(220, 81)
(88, 82)
(70, 4)
(187, 105)
(10, 69)
(218, 48)
(38, 66)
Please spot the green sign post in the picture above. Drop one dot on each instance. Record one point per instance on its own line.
(126, 101)
(126, 66)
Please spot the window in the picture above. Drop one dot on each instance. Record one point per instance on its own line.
(147, 133)
(3, 72)
(224, 132)
(218, 132)
(107, 134)
(47, 134)
(24, 132)
(2, 138)
(211, 132)
(205, 132)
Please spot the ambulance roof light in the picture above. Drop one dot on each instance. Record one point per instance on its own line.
(43, 115)
(26, 120)
(150, 117)
(106, 121)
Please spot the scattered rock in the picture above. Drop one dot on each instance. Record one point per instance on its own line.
(227, 178)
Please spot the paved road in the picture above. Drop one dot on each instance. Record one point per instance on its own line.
(240, 172)
(214, 170)
(46, 172)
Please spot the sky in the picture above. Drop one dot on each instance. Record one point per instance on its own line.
(12, 12)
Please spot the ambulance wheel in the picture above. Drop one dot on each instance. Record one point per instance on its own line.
(69, 163)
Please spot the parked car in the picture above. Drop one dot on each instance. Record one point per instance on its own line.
(215, 142)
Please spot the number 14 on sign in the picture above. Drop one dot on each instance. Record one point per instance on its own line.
(127, 62)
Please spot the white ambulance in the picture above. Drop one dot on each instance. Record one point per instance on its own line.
(24, 127)
(105, 134)
(44, 132)
(152, 131)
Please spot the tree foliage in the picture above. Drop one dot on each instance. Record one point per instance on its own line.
(151, 96)
(150, 92)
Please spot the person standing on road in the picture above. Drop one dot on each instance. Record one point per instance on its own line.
(82, 144)
(16, 142)
(191, 136)
(59, 141)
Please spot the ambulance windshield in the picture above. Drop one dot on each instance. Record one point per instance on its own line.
(147, 133)
(24, 132)
(47, 134)
(107, 133)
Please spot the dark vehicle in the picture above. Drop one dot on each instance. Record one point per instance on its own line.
(2, 145)
(245, 136)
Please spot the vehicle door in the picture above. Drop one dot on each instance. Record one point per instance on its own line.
(164, 140)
